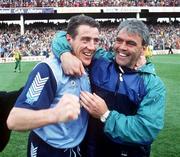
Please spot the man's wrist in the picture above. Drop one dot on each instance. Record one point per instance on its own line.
(64, 54)
(104, 117)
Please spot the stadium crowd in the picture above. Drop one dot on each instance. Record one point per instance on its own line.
(86, 3)
(37, 38)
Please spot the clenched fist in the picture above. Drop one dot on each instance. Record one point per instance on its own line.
(67, 109)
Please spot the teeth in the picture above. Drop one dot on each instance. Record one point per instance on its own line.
(123, 55)
(87, 54)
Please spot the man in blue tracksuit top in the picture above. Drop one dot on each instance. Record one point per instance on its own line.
(49, 104)
(127, 106)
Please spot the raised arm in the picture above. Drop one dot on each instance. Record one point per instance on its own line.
(21, 119)
(62, 50)
(71, 64)
(33, 107)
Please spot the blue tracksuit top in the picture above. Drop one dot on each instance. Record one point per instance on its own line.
(45, 86)
(136, 100)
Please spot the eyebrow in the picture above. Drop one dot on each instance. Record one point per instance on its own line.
(132, 42)
(89, 38)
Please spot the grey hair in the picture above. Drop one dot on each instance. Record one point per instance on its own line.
(135, 26)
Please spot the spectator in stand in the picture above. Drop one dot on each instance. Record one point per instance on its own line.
(39, 35)
(88, 3)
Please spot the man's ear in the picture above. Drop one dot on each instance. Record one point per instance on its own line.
(144, 49)
(69, 38)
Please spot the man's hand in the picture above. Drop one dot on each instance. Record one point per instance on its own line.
(94, 104)
(67, 109)
(71, 64)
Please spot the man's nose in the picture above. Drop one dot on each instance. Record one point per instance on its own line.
(123, 46)
(91, 45)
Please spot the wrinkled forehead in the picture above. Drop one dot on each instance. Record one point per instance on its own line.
(131, 34)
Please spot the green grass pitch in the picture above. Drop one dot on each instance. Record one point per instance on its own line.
(168, 142)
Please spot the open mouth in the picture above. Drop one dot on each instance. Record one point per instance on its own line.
(122, 54)
(88, 54)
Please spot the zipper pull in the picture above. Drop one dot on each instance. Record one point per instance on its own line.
(120, 77)
(121, 73)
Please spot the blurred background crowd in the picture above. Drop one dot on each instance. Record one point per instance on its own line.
(87, 3)
(37, 37)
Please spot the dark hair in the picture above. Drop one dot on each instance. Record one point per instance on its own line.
(135, 26)
(78, 20)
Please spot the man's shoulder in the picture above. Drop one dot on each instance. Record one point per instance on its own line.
(55, 65)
